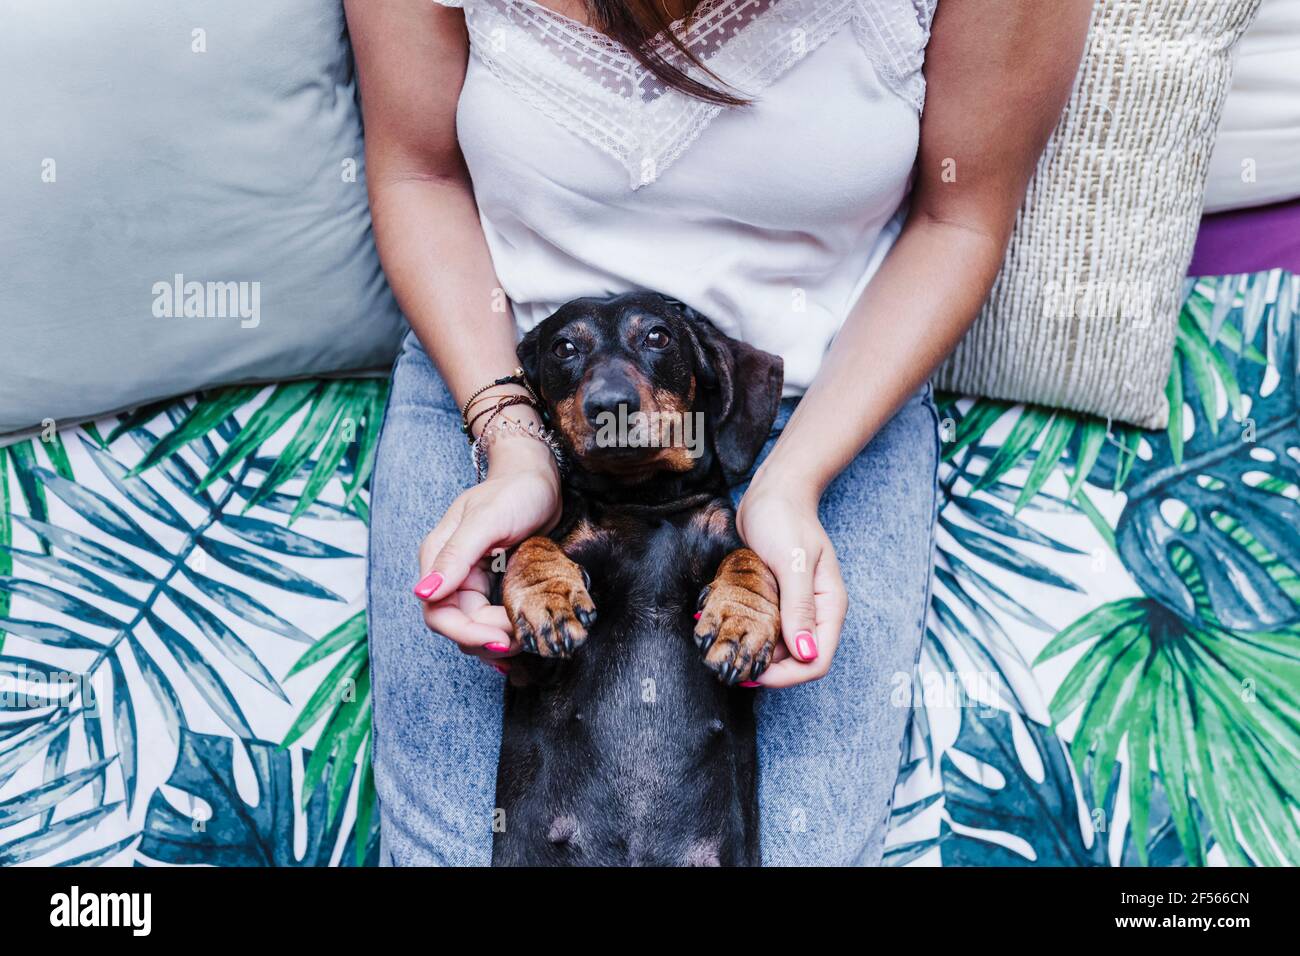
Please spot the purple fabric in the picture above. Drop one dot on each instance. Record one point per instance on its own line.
(1248, 240)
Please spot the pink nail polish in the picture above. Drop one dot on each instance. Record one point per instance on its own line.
(697, 615)
(750, 683)
(500, 668)
(806, 645)
(496, 647)
(428, 584)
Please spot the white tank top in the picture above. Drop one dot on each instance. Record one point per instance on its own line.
(592, 179)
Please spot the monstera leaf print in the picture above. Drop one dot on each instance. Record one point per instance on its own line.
(229, 831)
(1201, 673)
(1189, 684)
(1229, 465)
(1162, 846)
(1043, 817)
(1108, 675)
(1217, 708)
(163, 584)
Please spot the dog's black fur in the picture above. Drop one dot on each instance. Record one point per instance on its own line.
(626, 741)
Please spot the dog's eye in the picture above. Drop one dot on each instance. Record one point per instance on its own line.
(657, 338)
(563, 349)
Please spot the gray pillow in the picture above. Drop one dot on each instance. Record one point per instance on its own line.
(145, 140)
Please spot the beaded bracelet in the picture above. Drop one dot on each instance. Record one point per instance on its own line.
(516, 377)
(495, 426)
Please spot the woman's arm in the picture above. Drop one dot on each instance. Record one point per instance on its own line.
(411, 57)
(998, 75)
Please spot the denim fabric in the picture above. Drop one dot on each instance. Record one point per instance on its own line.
(828, 751)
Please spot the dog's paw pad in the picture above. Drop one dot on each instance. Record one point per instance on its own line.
(547, 599)
(737, 632)
(552, 620)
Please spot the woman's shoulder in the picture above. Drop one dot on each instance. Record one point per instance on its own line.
(894, 34)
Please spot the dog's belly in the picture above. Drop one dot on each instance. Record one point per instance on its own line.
(629, 753)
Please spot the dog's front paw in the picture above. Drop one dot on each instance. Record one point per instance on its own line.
(545, 594)
(740, 620)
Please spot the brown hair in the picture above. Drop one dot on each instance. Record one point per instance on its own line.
(635, 24)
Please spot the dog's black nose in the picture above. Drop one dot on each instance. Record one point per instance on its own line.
(605, 393)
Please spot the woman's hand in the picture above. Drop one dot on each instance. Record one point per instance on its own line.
(782, 528)
(519, 498)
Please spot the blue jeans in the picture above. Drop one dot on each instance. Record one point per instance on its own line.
(828, 751)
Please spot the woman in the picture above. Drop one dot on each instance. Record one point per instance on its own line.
(767, 163)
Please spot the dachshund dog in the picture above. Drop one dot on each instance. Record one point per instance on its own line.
(626, 741)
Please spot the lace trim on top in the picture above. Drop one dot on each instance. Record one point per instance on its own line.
(595, 88)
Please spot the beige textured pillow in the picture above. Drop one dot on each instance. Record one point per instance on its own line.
(1083, 313)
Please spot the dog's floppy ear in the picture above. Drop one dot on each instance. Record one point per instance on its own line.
(743, 393)
(526, 351)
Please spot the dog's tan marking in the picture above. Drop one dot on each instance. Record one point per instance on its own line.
(546, 599)
(644, 393)
(740, 623)
(571, 422)
(713, 519)
(714, 522)
(582, 534)
(673, 410)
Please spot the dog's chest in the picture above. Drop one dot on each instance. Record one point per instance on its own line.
(653, 571)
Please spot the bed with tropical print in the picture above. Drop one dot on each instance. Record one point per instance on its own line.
(1110, 677)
